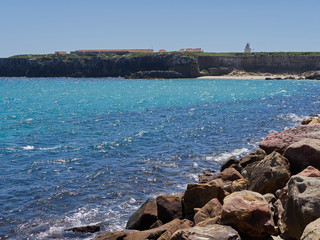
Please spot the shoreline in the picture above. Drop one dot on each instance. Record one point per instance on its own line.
(257, 77)
(230, 203)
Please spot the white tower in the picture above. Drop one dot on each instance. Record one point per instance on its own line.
(247, 49)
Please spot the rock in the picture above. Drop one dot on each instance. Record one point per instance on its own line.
(85, 229)
(303, 153)
(198, 194)
(206, 176)
(310, 172)
(239, 185)
(210, 232)
(231, 162)
(255, 156)
(314, 121)
(212, 209)
(119, 235)
(144, 217)
(312, 75)
(169, 207)
(210, 221)
(249, 213)
(279, 141)
(158, 223)
(268, 175)
(312, 231)
(270, 198)
(306, 121)
(302, 205)
(155, 233)
(172, 229)
(154, 74)
(229, 174)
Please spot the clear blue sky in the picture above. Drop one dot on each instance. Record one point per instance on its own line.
(44, 26)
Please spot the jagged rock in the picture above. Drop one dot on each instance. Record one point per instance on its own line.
(84, 229)
(118, 235)
(198, 194)
(212, 209)
(158, 223)
(312, 75)
(210, 232)
(206, 176)
(279, 141)
(172, 229)
(314, 121)
(306, 121)
(270, 198)
(229, 174)
(255, 156)
(302, 205)
(249, 213)
(155, 233)
(239, 185)
(310, 172)
(312, 231)
(144, 217)
(267, 175)
(210, 221)
(231, 162)
(303, 153)
(169, 207)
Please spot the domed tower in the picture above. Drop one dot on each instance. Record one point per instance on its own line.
(247, 49)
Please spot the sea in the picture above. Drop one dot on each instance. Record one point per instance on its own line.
(76, 152)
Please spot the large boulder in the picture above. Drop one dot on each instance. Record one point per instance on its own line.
(169, 207)
(302, 205)
(210, 232)
(118, 235)
(198, 194)
(144, 217)
(210, 210)
(156, 233)
(279, 141)
(267, 175)
(249, 213)
(302, 154)
(312, 231)
(255, 156)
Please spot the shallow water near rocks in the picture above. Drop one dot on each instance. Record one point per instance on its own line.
(75, 152)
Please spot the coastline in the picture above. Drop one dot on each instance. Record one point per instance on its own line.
(257, 77)
(250, 198)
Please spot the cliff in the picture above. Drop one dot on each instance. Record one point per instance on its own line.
(262, 63)
(156, 65)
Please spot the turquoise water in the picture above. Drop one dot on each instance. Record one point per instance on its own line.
(83, 151)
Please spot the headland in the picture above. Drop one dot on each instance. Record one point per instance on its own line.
(149, 64)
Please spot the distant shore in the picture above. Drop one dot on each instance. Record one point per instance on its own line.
(257, 76)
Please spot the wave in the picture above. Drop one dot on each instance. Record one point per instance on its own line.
(28, 147)
(226, 155)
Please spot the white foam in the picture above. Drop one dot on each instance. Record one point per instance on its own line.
(28, 147)
(292, 117)
(226, 155)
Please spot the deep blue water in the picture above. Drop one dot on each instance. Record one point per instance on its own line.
(83, 151)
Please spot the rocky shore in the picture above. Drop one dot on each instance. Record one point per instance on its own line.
(272, 193)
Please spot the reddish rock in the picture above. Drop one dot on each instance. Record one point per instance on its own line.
(144, 217)
(268, 175)
(302, 154)
(229, 174)
(206, 176)
(169, 207)
(175, 227)
(118, 235)
(156, 233)
(212, 209)
(210, 232)
(198, 194)
(310, 172)
(279, 141)
(249, 213)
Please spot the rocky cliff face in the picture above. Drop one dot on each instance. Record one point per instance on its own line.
(258, 63)
(177, 64)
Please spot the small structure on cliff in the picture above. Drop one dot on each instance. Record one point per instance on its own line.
(247, 49)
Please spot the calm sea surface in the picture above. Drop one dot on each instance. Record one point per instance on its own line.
(75, 152)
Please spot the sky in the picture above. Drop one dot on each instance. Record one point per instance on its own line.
(46, 26)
